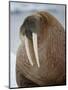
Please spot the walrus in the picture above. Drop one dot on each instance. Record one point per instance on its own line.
(40, 59)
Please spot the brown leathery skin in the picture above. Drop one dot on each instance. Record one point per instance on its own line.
(51, 50)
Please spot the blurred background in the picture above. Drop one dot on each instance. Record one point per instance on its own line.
(18, 12)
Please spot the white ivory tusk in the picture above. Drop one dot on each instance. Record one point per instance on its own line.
(34, 36)
(28, 50)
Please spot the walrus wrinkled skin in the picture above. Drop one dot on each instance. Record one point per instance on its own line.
(51, 51)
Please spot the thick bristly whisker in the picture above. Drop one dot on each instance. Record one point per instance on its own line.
(27, 50)
(34, 36)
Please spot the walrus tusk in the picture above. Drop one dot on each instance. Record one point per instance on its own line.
(27, 47)
(34, 36)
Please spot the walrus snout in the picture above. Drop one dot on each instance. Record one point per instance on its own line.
(31, 27)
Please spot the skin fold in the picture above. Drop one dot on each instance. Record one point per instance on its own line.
(50, 48)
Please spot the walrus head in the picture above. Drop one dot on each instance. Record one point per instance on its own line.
(34, 30)
(31, 27)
